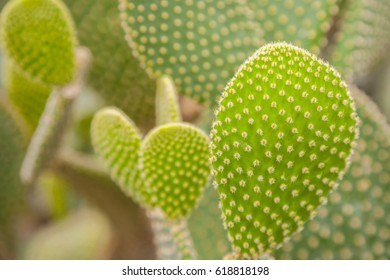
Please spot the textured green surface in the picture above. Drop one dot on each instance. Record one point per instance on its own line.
(174, 165)
(167, 106)
(39, 38)
(199, 43)
(83, 235)
(363, 38)
(114, 73)
(281, 140)
(28, 97)
(354, 224)
(304, 23)
(12, 148)
(210, 238)
(117, 140)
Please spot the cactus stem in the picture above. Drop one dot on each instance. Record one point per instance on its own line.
(48, 135)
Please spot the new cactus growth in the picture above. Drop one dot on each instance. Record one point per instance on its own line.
(281, 141)
(167, 109)
(38, 36)
(199, 43)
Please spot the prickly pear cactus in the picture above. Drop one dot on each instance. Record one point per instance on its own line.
(363, 37)
(12, 146)
(28, 97)
(174, 165)
(114, 73)
(304, 23)
(199, 43)
(354, 224)
(117, 140)
(38, 36)
(282, 139)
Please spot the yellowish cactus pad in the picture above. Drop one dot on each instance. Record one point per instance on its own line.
(39, 38)
(283, 136)
(117, 140)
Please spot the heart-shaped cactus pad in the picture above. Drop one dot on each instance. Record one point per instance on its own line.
(175, 167)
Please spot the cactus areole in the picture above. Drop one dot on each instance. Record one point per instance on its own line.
(282, 139)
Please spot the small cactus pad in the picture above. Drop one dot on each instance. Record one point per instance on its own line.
(38, 36)
(174, 165)
(282, 138)
(117, 140)
(28, 97)
(304, 23)
(114, 73)
(199, 43)
(167, 106)
(354, 224)
(363, 37)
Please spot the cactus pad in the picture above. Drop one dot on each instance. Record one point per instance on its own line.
(282, 138)
(167, 105)
(12, 148)
(363, 37)
(117, 140)
(174, 165)
(304, 23)
(354, 224)
(199, 43)
(39, 37)
(114, 73)
(27, 96)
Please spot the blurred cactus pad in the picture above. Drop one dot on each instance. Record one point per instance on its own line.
(12, 146)
(39, 37)
(194, 129)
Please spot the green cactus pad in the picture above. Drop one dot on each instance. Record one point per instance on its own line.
(199, 43)
(304, 23)
(363, 37)
(27, 96)
(354, 224)
(114, 73)
(12, 148)
(117, 140)
(174, 165)
(282, 138)
(39, 37)
(167, 106)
